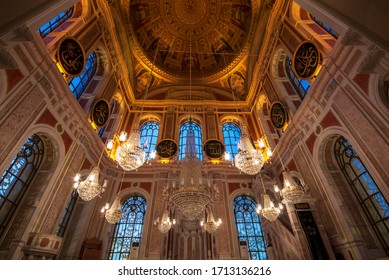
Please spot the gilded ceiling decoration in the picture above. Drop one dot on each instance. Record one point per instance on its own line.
(207, 35)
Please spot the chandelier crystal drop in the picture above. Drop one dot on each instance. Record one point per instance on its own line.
(248, 160)
(130, 154)
(114, 214)
(90, 187)
(269, 211)
(291, 191)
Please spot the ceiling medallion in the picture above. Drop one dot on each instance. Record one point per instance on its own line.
(167, 29)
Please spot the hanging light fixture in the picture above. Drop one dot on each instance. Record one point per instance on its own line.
(130, 155)
(190, 197)
(114, 213)
(165, 224)
(291, 191)
(89, 188)
(269, 210)
(210, 225)
(248, 160)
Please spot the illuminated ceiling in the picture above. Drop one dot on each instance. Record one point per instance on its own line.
(179, 34)
(173, 40)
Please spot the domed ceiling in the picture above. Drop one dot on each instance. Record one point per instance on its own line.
(173, 35)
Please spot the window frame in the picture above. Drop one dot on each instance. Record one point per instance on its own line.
(152, 138)
(297, 83)
(129, 206)
(260, 242)
(85, 77)
(364, 188)
(31, 153)
(55, 22)
(232, 148)
(184, 128)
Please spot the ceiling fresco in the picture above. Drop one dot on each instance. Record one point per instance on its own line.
(191, 37)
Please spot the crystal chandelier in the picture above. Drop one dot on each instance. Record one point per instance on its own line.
(248, 160)
(269, 210)
(90, 187)
(165, 224)
(130, 155)
(191, 197)
(210, 225)
(291, 191)
(114, 213)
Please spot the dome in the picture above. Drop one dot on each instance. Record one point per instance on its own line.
(173, 35)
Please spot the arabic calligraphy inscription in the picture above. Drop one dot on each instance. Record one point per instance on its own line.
(306, 60)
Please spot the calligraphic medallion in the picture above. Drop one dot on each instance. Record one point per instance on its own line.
(100, 113)
(306, 60)
(214, 149)
(71, 56)
(166, 148)
(278, 115)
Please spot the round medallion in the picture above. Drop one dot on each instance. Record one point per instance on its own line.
(278, 115)
(306, 60)
(100, 112)
(71, 56)
(214, 149)
(190, 11)
(166, 148)
(197, 36)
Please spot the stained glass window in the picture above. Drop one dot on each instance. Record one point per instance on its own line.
(67, 213)
(189, 131)
(17, 178)
(231, 136)
(129, 228)
(301, 86)
(48, 27)
(149, 136)
(248, 225)
(364, 187)
(325, 27)
(78, 84)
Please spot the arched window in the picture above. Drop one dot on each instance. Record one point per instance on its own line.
(190, 131)
(149, 136)
(47, 28)
(365, 189)
(231, 136)
(129, 229)
(249, 227)
(301, 86)
(325, 27)
(78, 84)
(17, 178)
(67, 213)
